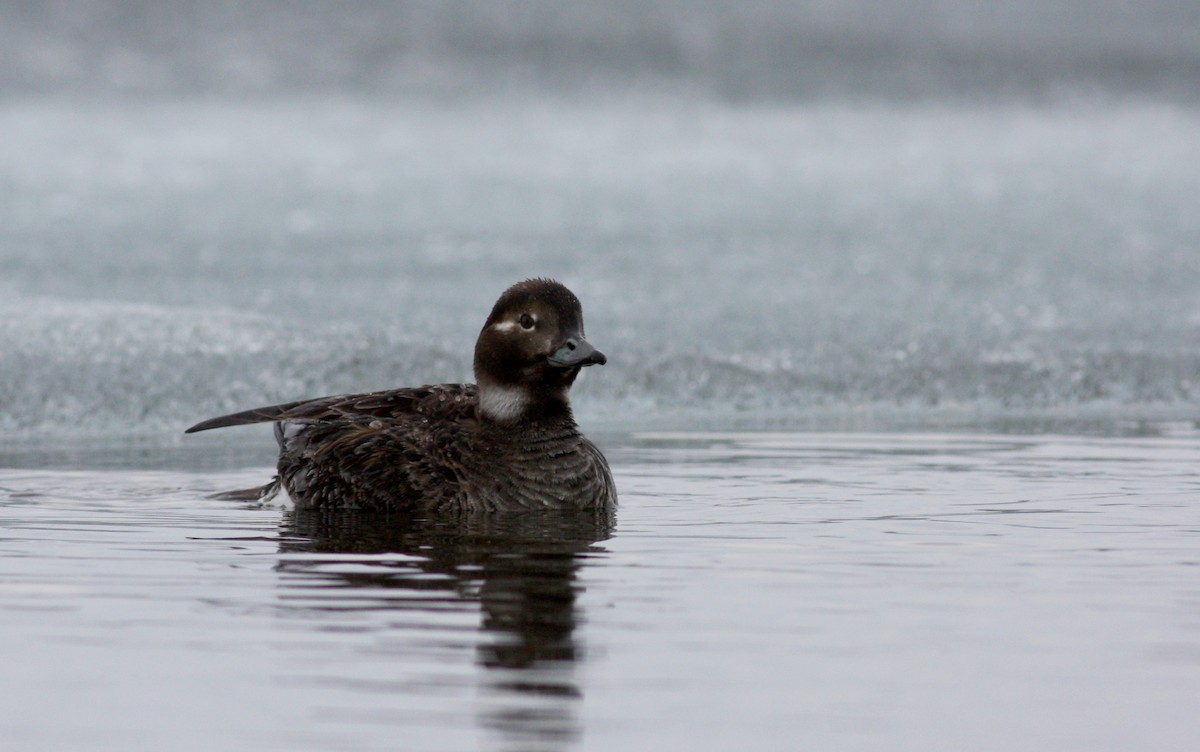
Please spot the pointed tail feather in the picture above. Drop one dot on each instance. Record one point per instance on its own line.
(247, 417)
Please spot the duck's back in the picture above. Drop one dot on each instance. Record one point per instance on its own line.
(393, 449)
(427, 448)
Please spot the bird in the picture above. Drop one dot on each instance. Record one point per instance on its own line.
(509, 442)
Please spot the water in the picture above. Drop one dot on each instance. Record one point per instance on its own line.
(845, 591)
(765, 264)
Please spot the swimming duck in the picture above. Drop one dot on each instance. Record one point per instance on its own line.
(508, 442)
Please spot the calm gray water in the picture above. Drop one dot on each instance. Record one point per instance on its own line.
(827, 591)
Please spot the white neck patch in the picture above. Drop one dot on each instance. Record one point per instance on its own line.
(503, 404)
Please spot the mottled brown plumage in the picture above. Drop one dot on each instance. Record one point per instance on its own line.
(508, 443)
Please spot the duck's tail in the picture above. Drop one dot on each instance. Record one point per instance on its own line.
(261, 494)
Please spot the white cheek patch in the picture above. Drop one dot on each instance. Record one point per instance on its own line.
(504, 326)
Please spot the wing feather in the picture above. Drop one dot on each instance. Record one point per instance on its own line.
(386, 404)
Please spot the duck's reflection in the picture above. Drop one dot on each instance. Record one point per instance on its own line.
(520, 568)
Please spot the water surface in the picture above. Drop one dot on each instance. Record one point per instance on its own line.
(837, 591)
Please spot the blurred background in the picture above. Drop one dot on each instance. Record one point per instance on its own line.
(852, 214)
(745, 51)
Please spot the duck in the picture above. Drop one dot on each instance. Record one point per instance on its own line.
(508, 442)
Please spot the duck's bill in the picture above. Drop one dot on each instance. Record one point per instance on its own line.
(576, 352)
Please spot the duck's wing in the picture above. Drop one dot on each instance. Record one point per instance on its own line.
(436, 399)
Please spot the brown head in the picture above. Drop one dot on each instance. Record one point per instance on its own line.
(530, 350)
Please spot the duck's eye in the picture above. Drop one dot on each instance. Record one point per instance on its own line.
(526, 321)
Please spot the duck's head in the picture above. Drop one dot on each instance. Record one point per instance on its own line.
(530, 351)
